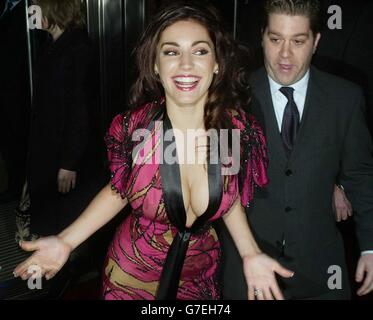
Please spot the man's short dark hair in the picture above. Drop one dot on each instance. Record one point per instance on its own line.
(307, 8)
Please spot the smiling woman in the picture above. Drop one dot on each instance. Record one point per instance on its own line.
(189, 77)
(186, 64)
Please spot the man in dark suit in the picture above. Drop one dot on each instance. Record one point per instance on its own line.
(316, 135)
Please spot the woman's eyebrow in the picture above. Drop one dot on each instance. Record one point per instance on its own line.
(193, 44)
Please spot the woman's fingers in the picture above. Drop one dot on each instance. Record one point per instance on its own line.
(23, 267)
(33, 272)
(51, 254)
(30, 245)
(267, 294)
(256, 293)
(25, 275)
(49, 275)
(260, 276)
(251, 295)
(283, 272)
(277, 292)
(259, 295)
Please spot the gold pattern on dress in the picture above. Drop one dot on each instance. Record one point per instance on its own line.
(139, 193)
(124, 280)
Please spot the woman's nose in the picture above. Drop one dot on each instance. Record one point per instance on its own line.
(186, 61)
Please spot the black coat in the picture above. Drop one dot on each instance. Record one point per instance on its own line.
(62, 124)
(293, 219)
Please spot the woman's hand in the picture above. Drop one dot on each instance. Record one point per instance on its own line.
(51, 253)
(260, 272)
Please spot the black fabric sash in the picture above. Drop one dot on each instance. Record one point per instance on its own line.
(174, 205)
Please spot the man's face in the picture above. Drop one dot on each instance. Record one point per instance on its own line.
(288, 44)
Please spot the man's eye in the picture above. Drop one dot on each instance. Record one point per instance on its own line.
(298, 42)
(275, 40)
(201, 52)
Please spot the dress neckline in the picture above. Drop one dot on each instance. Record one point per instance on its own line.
(172, 189)
(175, 210)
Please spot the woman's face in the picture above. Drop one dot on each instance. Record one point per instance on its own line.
(186, 63)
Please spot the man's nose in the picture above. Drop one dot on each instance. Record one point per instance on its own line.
(285, 51)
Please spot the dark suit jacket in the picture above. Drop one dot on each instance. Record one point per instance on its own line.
(292, 218)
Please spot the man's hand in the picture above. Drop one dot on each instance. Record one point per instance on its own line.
(341, 206)
(66, 180)
(364, 272)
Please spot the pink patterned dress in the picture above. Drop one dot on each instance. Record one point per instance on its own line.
(153, 255)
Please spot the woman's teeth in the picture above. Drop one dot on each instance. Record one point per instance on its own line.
(186, 82)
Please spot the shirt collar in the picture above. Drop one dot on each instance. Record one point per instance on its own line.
(299, 87)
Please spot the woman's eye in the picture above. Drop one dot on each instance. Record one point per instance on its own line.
(201, 52)
(170, 52)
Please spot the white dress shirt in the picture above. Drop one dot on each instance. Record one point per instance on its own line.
(279, 103)
(279, 100)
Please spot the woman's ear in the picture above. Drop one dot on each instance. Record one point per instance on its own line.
(216, 69)
(156, 69)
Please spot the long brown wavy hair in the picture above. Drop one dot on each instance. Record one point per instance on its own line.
(229, 89)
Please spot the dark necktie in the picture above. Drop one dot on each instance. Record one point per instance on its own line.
(290, 120)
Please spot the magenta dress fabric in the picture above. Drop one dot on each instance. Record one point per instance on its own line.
(139, 248)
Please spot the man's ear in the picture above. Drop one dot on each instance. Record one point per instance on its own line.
(316, 43)
(262, 31)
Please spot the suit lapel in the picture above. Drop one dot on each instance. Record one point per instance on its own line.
(312, 116)
(311, 122)
(262, 93)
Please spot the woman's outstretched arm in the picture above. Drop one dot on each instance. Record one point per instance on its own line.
(51, 253)
(104, 207)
